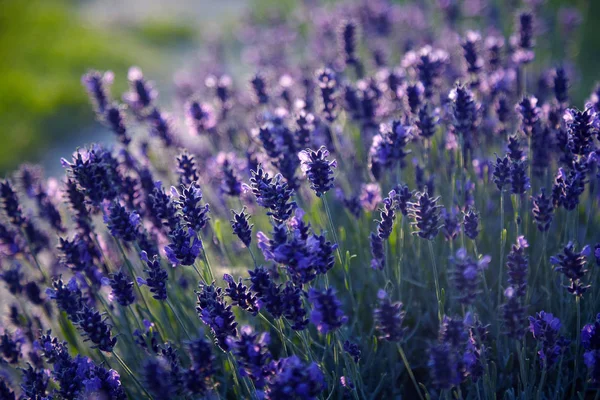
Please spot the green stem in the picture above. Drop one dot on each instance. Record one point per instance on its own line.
(126, 368)
(410, 372)
(578, 306)
(437, 282)
(178, 319)
(502, 244)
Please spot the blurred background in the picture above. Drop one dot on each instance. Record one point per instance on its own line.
(46, 45)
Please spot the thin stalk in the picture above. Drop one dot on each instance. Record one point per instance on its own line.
(178, 318)
(126, 368)
(542, 382)
(436, 279)
(210, 273)
(578, 306)
(332, 228)
(410, 372)
(502, 244)
(132, 272)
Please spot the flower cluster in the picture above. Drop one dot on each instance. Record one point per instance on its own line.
(417, 128)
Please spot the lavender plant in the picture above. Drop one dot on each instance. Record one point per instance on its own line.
(329, 292)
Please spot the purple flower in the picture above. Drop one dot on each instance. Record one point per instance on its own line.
(186, 168)
(471, 223)
(122, 224)
(572, 265)
(97, 85)
(518, 177)
(157, 277)
(158, 378)
(545, 329)
(13, 278)
(252, 353)
(517, 266)
(259, 87)
(466, 275)
(141, 93)
(353, 350)
(318, 169)
(443, 366)
(430, 64)
(162, 209)
(402, 196)
(347, 44)
(530, 114)
(388, 216)
(389, 147)
(465, 117)
(377, 251)
(95, 329)
(327, 313)
(240, 295)
(451, 227)
(514, 151)
(231, 184)
(513, 314)
(267, 291)
(97, 174)
(241, 227)
(293, 379)
(215, 313)
(10, 204)
(122, 289)
(370, 196)
(48, 210)
(200, 117)
(426, 216)
(196, 379)
(34, 383)
(68, 297)
(543, 211)
(502, 172)
(428, 121)
(525, 34)
(293, 306)
(389, 317)
(161, 127)
(184, 247)
(327, 81)
(10, 243)
(10, 348)
(116, 122)
(561, 85)
(273, 194)
(194, 215)
(581, 125)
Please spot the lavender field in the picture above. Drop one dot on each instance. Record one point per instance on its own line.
(347, 200)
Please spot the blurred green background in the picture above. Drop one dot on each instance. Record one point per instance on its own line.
(46, 45)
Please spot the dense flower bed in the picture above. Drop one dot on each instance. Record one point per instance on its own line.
(388, 208)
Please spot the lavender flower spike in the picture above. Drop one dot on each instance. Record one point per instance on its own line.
(184, 247)
(426, 216)
(327, 312)
(318, 169)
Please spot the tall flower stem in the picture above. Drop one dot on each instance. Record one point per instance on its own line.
(436, 279)
(136, 284)
(339, 253)
(178, 319)
(502, 244)
(410, 372)
(131, 374)
(208, 267)
(577, 345)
